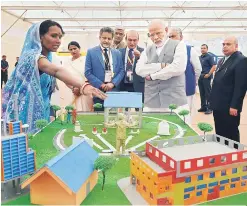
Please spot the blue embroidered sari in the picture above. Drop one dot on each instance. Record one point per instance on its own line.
(33, 88)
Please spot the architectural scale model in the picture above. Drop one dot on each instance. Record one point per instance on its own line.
(66, 179)
(190, 170)
(128, 103)
(17, 159)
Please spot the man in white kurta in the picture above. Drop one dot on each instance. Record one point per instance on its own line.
(163, 65)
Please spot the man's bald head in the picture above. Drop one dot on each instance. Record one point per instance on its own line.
(230, 45)
(157, 32)
(132, 38)
(132, 33)
(232, 39)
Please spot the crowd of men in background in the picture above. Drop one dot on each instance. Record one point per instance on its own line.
(167, 72)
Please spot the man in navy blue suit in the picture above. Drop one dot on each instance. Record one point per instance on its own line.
(130, 55)
(104, 65)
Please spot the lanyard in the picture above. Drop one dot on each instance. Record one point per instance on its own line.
(130, 61)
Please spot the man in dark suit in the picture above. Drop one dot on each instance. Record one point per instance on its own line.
(4, 70)
(104, 65)
(130, 55)
(228, 90)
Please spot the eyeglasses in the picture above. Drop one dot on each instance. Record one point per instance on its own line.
(172, 36)
(153, 34)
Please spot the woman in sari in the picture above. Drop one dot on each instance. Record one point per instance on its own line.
(31, 82)
(76, 65)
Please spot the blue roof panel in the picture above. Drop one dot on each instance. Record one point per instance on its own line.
(74, 165)
(123, 99)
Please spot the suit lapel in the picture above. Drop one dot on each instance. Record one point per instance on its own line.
(99, 55)
(227, 63)
(220, 64)
(113, 59)
(124, 55)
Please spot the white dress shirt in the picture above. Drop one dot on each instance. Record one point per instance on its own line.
(195, 61)
(176, 68)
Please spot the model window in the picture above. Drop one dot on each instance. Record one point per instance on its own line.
(244, 177)
(200, 187)
(234, 170)
(187, 179)
(222, 182)
(210, 191)
(186, 196)
(199, 193)
(144, 188)
(189, 189)
(235, 179)
(200, 177)
(212, 175)
(213, 184)
(223, 173)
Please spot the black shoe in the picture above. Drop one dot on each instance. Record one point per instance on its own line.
(202, 110)
(209, 111)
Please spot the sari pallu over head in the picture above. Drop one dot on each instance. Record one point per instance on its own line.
(32, 88)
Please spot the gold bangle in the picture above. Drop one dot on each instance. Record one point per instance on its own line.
(82, 88)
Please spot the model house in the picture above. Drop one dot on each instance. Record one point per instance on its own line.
(128, 103)
(190, 170)
(66, 179)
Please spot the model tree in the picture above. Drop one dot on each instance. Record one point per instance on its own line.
(97, 106)
(41, 123)
(103, 164)
(205, 127)
(184, 113)
(69, 108)
(172, 107)
(55, 108)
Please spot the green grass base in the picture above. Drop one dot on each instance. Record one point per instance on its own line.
(112, 194)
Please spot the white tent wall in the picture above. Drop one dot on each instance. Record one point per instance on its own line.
(12, 42)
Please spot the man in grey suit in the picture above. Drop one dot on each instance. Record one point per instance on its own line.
(130, 55)
(163, 65)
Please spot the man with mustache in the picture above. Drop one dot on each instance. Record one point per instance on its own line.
(104, 65)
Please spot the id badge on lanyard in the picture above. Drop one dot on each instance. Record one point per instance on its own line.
(108, 76)
(129, 72)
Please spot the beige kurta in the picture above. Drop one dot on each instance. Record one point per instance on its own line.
(77, 67)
